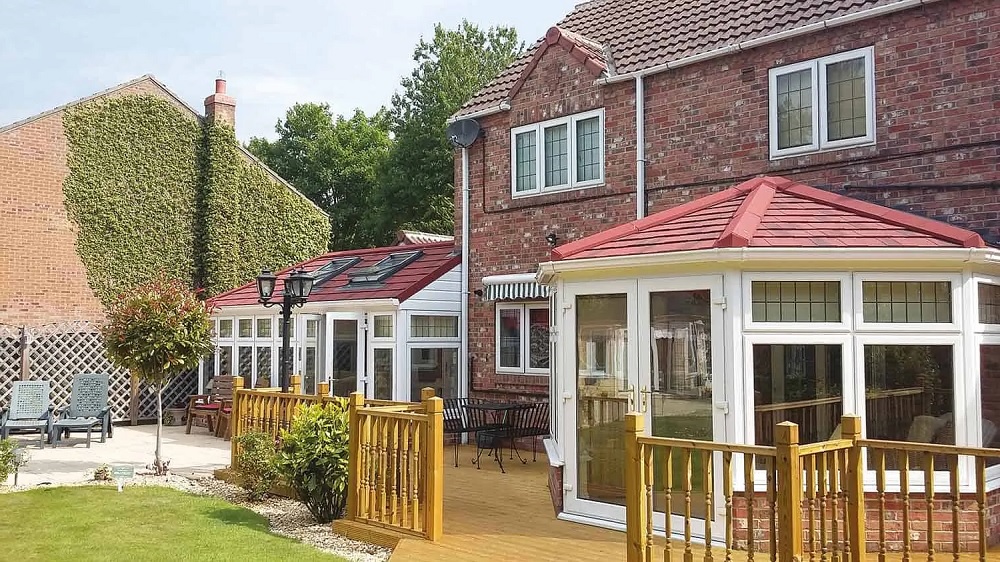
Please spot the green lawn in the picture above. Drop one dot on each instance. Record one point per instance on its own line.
(142, 523)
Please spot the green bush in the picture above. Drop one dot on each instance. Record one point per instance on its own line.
(255, 463)
(314, 457)
(9, 459)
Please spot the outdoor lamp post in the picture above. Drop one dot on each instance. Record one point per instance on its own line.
(298, 284)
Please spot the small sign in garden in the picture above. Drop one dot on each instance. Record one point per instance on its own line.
(121, 473)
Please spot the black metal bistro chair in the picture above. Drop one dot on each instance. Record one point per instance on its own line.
(533, 422)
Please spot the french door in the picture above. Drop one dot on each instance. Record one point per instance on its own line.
(344, 359)
(310, 356)
(652, 346)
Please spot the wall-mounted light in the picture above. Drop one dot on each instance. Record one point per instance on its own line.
(552, 239)
(478, 293)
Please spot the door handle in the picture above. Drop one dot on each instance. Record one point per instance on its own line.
(645, 392)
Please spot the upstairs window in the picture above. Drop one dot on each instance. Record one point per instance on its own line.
(822, 104)
(556, 155)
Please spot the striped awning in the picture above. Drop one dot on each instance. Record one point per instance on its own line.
(519, 286)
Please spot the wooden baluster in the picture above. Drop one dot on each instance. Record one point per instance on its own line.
(394, 471)
(668, 484)
(354, 459)
(981, 506)
(904, 490)
(929, 500)
(844, 461)
(880, 488)
(418, 523)
(647, 463)
(708, 485)
(686, 476)
(748, 490)
(384, 470)
(727, 492)
(834, 500)
(810, 465)
(404, 475)
(772, 505)
(372, 465)
(955, 508)
(821, 478)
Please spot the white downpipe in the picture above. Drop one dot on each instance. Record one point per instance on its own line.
(640, 148)
(463, 354)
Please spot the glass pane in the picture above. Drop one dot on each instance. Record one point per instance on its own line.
(909, 395)
(263, 367)
(509, 333)
(344, 378)
(989, 369)
(588, 149)
(383, 326)
(312, 326)
(794, 108)
(906, 301)
(382, 369)
(436, 368)
(207, 371)
(795, 301)
(680, 400)
(264, 327)
(226, 328)
(245, 366)
(797, 383)
(538, 338)
(845, 99)
(426, 326)
(526, 155)
(602, 390)
(989, 303)
(225, 360)
(309, 369)
(556, 156)
(246, 327)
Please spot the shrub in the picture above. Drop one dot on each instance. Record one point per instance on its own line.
(102, 473)
(255, 463)
(10, 460)
(314, 456)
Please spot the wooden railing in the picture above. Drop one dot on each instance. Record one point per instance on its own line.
(793, 501)
(395, 473)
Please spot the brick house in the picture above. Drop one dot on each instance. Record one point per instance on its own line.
(603, 185)
(49, 306)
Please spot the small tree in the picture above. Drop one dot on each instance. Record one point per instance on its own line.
(157, 331)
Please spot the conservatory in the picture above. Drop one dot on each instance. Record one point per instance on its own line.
(382, 321)
(770, 301)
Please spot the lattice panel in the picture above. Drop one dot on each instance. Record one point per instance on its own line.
(177, 391)
(10, 360)
(59, 352)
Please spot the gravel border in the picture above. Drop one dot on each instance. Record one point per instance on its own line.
(288, 518)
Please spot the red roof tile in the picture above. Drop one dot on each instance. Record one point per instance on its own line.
(436, 259)
(770, 212)
(640, 34)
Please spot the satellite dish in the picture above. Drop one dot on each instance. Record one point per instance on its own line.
(463, 132)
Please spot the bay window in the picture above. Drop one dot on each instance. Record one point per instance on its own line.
(559, 154)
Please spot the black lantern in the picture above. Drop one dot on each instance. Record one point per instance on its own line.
(299, 284)
(265, 285)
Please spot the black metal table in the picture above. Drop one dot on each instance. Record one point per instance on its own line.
(493, 422)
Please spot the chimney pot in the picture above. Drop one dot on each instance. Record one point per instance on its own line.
(220, 85)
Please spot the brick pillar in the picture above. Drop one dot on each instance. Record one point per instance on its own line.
(220, 107)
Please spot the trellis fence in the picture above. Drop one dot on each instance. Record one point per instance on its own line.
(59, 352)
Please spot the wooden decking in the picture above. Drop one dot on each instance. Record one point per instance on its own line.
(494, 516)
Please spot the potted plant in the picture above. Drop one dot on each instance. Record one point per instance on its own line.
(174, 415)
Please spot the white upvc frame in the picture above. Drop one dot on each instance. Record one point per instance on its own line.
(975, 384)
(523, 367)
(749, 325)
(410, 314)
(539, 128)
(820, 128)
(392, 326)
(957, 310)
(978, 325)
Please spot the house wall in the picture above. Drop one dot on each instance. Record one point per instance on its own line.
(444, 294)
(42, 279)
(706, 129)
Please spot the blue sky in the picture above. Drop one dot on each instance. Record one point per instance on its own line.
(273, 53)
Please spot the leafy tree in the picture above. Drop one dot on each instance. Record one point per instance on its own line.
(333, 162)
(157, 331)
(415, 188)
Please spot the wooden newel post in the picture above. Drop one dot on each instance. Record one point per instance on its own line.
(234, 419)
(636, 510)
(426, 393)
(857, 536)
(323, 389)
(295, 386)
(434, 498)
(355, 402)
(789, 492)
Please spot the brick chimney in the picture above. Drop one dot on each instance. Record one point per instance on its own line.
(219, 107)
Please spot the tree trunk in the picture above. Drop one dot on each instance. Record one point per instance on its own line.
(158, 462)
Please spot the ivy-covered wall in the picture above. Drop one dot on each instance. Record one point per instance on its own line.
(153, 189)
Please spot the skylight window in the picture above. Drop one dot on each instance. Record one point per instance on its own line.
(333, 269)
(384, 269)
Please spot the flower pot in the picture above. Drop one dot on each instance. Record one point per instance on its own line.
(173, 416)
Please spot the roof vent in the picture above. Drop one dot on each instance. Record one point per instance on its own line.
(384, 269)
(332, 269)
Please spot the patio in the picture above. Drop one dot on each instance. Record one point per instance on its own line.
(197, 454)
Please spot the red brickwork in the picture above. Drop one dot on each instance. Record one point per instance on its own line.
(936, 70)
(42, 279)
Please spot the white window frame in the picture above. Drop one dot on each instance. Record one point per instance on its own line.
(784, 327)
(955, 326)
(978, 325)
(820, 128)
(421, 340)
(539, 128)
(523, 307)
(392, 326)
(975, 385)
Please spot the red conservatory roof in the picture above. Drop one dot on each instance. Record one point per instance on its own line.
(431, 262)
(770, 212)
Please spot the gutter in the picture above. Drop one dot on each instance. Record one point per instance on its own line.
(767, 39)
(502, 106)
